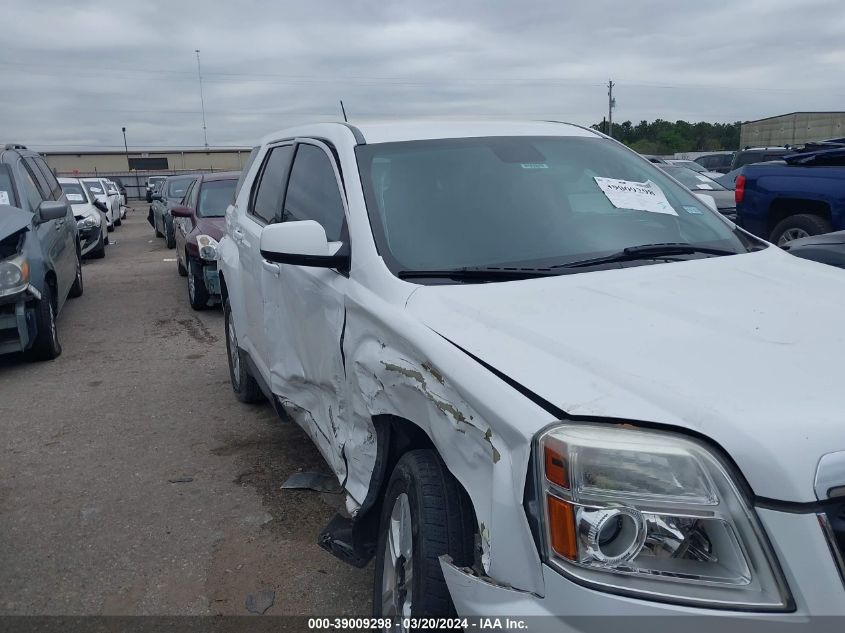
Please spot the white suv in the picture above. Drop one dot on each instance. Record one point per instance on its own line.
(550, 379)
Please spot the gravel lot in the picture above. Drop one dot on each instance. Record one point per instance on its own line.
(132, 481)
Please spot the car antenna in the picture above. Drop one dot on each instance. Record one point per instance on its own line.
(342, 109)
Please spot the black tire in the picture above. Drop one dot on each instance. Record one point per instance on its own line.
(442, 522)
(100, 250)
(118, 222)
(46, 345)
(77, 288)
(800, 223)
(169, 234)
(110, 228)
(197, 292)
(183, 272)
(243, 384)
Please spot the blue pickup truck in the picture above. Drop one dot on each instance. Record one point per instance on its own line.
(803, 197)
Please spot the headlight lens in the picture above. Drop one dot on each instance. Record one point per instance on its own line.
(14, 275)
(652, 514)
(207, 247)
(88, 222)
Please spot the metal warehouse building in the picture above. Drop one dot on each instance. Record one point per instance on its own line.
(795, 128)
(133, 168)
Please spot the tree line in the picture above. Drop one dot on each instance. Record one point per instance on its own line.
(665, 137)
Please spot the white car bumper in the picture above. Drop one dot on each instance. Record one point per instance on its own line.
(802, 549)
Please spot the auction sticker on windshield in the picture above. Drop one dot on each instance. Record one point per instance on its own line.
(639, 196)
(75, 197)
(4, 197)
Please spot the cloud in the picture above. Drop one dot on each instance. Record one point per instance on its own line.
(75, 73)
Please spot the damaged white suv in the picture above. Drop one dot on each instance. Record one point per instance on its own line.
(550, 379)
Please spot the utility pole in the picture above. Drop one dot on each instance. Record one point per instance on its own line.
(126, 147)
(202, 99)
(611, 103)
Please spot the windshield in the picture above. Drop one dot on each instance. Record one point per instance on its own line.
(74, 192)
(94, 187)
(215, 196)
(693, 180)
(688, 164)
(494, 201)
(177, 187)
(155, 180)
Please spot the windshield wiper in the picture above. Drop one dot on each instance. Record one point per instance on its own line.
(479, 273)
(648, 251)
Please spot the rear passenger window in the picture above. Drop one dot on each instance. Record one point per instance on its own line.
(39, 179)
(313, 193)
(267, 199)
(31, 188)
(52, 183)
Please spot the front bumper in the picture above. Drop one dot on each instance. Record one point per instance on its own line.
(799, 543)
(211, 277)
(17, 320)
(89, 238)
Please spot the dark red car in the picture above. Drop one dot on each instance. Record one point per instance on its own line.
(198, 227)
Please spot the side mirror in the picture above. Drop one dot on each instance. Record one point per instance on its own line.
(181, 212)
(300, 243)
(708, 200)
(51, 210)
(157, 196)
(101, 205)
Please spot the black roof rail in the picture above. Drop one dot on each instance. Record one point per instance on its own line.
(15, 146)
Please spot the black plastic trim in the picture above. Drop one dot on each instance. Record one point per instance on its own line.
(359, 138)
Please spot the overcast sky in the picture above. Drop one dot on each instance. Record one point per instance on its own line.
(74, 72)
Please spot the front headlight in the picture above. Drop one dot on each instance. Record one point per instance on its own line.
(14, 275)
(652, 514)
(207, 247)
(88, 222)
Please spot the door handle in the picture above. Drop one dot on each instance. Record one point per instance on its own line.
(271, 268)
(238, 235)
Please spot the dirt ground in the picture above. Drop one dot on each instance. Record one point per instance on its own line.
(131, 479)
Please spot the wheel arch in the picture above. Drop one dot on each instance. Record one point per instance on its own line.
(396, 436)
(782, 208)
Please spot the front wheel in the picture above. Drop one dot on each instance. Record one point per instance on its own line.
(425, 515)
(243, 384)
(46, 345)
(797, 226)
(77, 288)
(169, 234)
(100, 250)
(197, 292)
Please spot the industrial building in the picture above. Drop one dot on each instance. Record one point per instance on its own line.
(795, 128)
(134, 167)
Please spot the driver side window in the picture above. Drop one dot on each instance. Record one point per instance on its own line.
(313, 192)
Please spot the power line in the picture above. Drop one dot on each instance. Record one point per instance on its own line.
(228, 77)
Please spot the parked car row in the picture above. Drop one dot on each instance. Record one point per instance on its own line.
(188, 211)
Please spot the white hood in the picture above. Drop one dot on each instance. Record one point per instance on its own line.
(743, 349)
